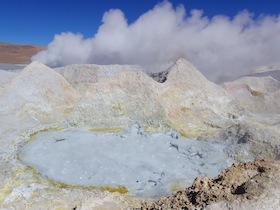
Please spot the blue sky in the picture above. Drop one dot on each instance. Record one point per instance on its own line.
(37, 21)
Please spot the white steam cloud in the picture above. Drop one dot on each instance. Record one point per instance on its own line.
(217, 46)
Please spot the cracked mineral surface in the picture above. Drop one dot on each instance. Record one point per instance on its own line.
(146, 164)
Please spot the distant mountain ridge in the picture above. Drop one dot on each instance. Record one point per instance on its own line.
(18, 53)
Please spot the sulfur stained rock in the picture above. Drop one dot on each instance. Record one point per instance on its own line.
(112, 98)
(195, 106)
(186, 101)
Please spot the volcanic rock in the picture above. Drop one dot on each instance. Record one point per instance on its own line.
(256, 94)
(195, 106)
(239, 187)
(113, 98)
(186, 101)
(40, 93)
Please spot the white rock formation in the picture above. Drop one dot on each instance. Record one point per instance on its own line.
(40, 93)
(80, 76)
(196, 106)
(112, 98)
(256, 94)
(187, 101)
(117, 96)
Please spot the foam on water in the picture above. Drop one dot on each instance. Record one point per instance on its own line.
(147, 164)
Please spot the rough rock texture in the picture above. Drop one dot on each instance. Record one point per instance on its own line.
(254, 139)
(80, 76)
(186, 101)
(195, 106)
(239, 187)
(256, 94)
(119, 102)
(113, 97)
(40, 93)
(160, 76)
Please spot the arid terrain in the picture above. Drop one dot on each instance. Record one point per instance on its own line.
(18, 53)
(234, 188)
(176, 125)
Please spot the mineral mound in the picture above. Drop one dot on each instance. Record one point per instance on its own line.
(243, 116)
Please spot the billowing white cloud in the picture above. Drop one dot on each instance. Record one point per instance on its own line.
(218, 46)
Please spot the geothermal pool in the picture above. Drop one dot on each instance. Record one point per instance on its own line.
(146, 164)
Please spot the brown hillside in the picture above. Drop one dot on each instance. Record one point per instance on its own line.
(18, 53)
